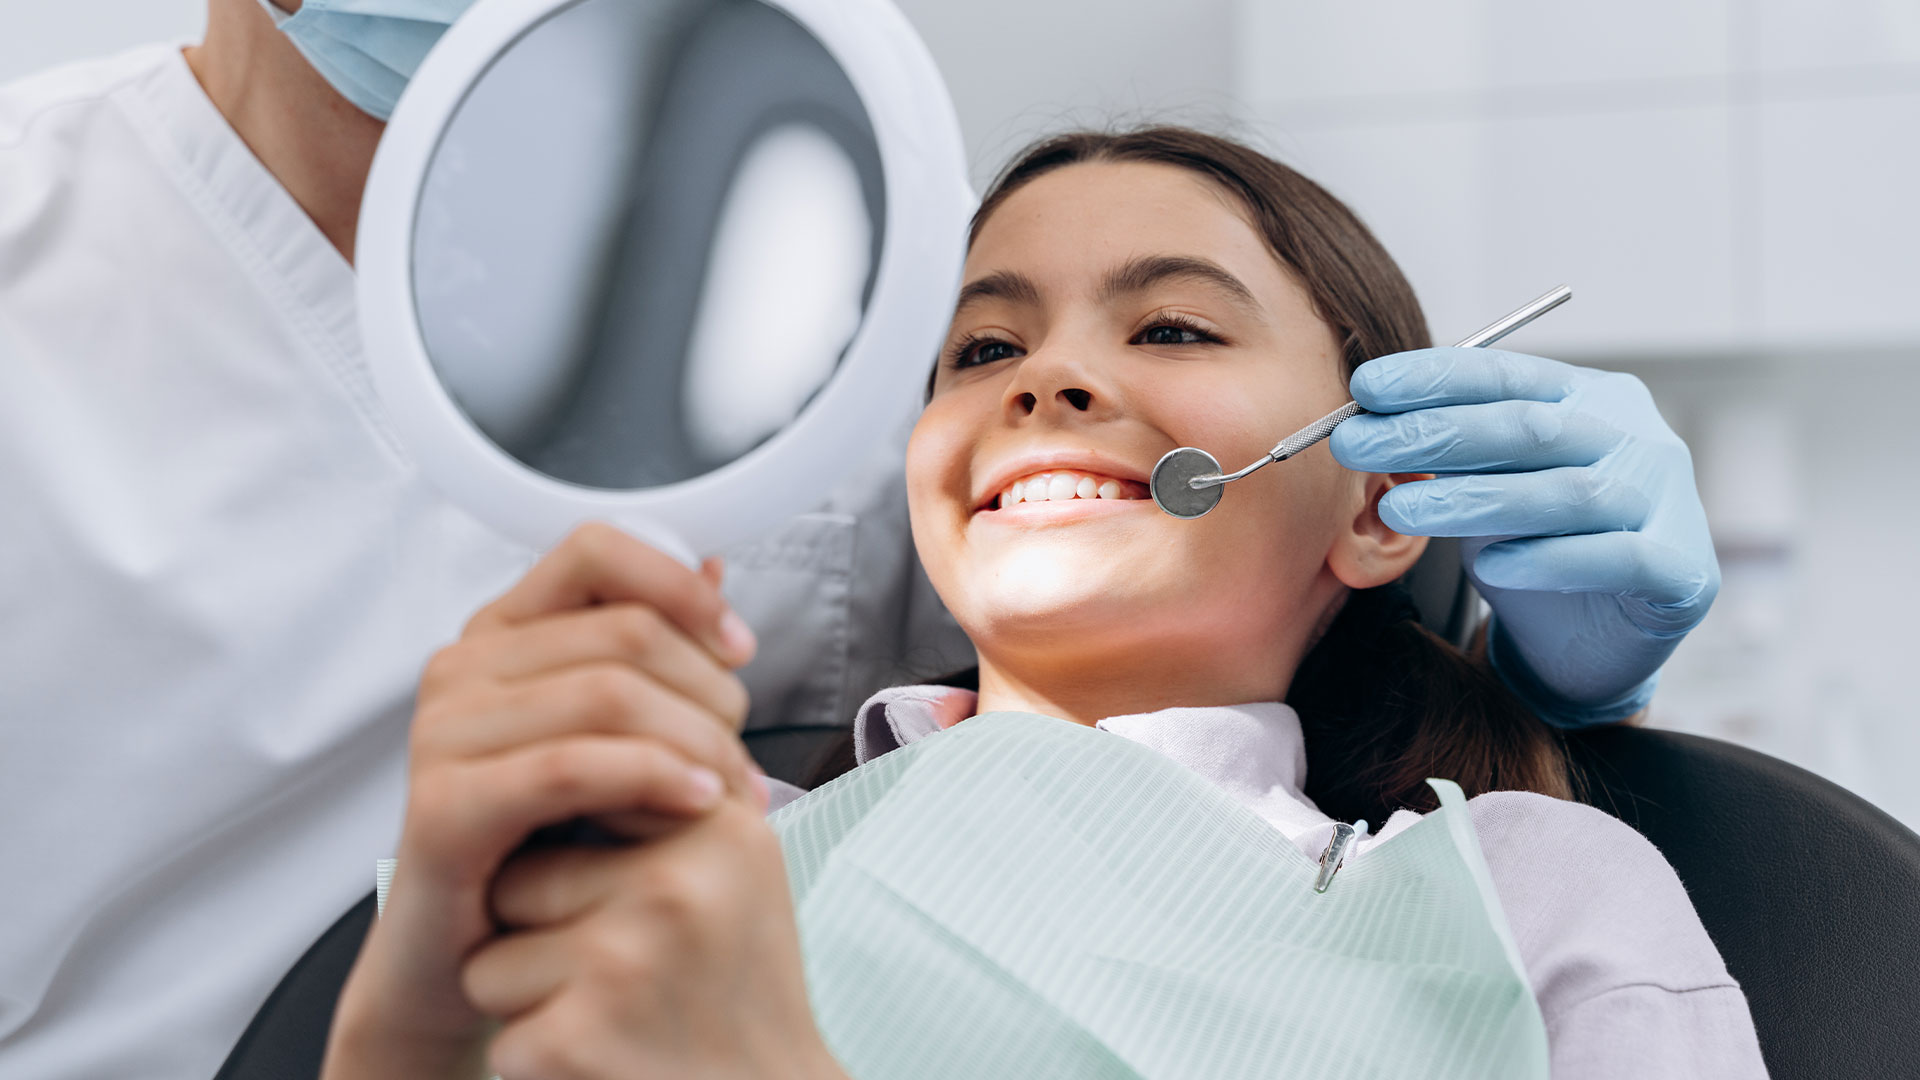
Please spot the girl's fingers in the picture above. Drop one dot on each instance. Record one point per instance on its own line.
(553, 1040)
(631, 634)
(470, 814)
(638, 824)
(599, 564)
(514, 973)
(554, 885)
(607, 698)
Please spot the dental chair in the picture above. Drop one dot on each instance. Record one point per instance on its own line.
(1811, 893)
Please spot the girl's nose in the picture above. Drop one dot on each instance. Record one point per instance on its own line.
(1074, 397)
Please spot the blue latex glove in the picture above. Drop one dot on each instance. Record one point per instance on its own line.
(1583, 529)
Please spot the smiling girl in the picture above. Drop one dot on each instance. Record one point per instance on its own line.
(1123, 295)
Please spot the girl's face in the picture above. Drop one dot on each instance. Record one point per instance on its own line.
(1110, 313)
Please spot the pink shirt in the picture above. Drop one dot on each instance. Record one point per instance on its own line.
(1629, 983)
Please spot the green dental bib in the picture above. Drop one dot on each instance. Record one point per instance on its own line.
(1025, 897)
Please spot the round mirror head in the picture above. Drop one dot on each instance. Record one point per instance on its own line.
(647, 237)
(1172, 487)
(643, 242)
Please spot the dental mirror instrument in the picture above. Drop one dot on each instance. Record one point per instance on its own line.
(654, 262)
(1187, 482)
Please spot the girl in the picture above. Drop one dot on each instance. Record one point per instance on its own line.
(1124, 295)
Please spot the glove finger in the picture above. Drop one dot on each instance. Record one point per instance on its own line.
(1626, 564)
(1553, 502)
(1424, 378)
(1501, 436)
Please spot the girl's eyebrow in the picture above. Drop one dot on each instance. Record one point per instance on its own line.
(999, 285)
(1139, 274)
(1134, 276)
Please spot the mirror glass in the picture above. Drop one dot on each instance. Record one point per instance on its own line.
(646, 238)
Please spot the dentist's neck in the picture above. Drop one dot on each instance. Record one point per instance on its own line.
(315, 142)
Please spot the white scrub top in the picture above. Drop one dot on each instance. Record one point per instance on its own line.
(220, 576)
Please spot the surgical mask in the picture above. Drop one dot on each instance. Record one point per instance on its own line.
(367, 49)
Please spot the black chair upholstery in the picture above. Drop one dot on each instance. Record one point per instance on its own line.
(1811, 893)
(288, 1036)
(1441, 590)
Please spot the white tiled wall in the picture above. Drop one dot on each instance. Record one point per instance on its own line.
(1643, 235)
(1019, 69)
(1838, 205)
(1295, 53)
(1536, 43)
(1798, 34)
(1709, 176)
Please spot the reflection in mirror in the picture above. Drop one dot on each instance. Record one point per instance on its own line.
(783, 294)
(647, 237)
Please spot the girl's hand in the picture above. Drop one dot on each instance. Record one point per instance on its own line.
(599, 685)
(677, 957)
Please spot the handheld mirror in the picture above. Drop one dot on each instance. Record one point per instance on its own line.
(674, 264)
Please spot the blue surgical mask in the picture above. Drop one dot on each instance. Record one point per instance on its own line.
(367, 49)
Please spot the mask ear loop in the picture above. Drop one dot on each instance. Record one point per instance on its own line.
(1332, 859)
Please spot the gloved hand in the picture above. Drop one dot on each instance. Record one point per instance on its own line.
(1583, 529)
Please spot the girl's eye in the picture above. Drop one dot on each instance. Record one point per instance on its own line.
(1174, 332)
(972, 352)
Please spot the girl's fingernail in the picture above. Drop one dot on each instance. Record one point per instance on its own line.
(706, 785)
(737, 635)
(765, 792)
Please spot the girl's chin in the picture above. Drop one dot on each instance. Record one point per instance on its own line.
(1053, 615)
(1057, 582)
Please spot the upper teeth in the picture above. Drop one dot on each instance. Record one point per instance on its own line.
(1056, 486)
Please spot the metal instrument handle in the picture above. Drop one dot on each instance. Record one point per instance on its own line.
(1323, 427)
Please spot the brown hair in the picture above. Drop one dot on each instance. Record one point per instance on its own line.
(1384, 703)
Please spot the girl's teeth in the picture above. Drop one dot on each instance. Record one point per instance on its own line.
(1053, 487)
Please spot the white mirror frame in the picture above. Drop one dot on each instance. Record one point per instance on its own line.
(876, 387)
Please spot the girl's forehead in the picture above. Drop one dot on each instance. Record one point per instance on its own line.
(1071, 227)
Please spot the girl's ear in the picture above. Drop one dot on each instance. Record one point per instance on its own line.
(1366, 553)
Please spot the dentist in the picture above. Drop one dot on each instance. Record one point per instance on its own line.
(222, 574)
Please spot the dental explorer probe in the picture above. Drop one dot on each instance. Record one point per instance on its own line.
(1187, 482)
